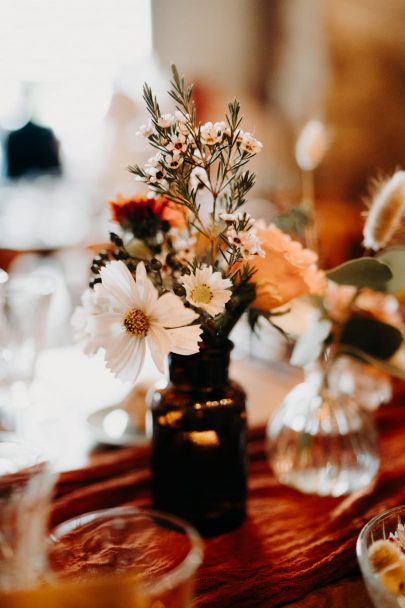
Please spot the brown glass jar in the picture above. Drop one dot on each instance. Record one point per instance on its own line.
(199, 442)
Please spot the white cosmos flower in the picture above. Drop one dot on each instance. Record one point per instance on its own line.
(137, 317)
(207, 290)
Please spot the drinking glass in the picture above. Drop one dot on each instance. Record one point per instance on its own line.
(24, 305)
(160, 551)
(379, 528)
(26, 481)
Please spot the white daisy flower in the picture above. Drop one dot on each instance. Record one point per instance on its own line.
(246, 240)
(166, 121)
(207, 290)
(212, 133)
(138, 317)
(146, 130)
(198, 179)
(249, 144)
(177, 144)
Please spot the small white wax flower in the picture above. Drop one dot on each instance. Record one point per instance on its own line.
(246, 241)
(166, 121)
(138, 317)
(207, 290)
(173, 161)
(154, 170)
(177, 144)
(385, 213)
(234, 218)
(155, 175)
(182, 123)
(198, 179)
(212, 134)
(249, 144)
(311, 145)
(154, 161)
(146, 130)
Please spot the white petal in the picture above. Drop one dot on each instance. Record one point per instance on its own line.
(120, 286)
(218, 281)
(105, 325)
(140, 272)
(147, 292)
(125, 356)
(170, 311)
(185, 339)
(203, 274)
(159, 344)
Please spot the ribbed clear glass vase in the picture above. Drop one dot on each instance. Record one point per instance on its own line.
(321, 442)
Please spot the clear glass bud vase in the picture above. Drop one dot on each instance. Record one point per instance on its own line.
(320, 441)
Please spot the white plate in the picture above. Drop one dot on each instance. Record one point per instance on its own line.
(113, 426)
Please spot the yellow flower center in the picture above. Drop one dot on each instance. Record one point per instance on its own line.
(136, 323)
(202, 294)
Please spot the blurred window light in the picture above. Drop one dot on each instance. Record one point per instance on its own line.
(52, 40)
(72, 106)
(58, 60)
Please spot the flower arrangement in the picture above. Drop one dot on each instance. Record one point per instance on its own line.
(186, 261)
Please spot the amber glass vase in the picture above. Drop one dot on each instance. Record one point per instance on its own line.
(199, 442)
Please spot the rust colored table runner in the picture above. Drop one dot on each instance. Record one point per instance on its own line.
(290, 543)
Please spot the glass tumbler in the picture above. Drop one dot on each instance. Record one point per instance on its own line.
(160, 551)
(26, 481)
(379, 528)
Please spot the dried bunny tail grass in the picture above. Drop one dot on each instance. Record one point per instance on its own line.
(386, 209)
(311, 145)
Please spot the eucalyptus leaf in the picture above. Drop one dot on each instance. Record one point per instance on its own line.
(395, 259)
(362, 272)
(371, 336)
(309, 346)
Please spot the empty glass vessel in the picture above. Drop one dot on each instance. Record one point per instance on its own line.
(320, 441)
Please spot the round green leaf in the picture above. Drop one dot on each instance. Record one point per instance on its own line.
(362, 272)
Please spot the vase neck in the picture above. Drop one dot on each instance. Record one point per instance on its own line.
(209, 368)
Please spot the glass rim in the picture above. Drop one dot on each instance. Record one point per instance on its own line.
(160, 582)
(361, 546)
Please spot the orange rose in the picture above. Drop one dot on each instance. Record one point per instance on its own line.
(285, 272)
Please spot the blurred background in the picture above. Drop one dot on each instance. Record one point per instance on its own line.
(71, 76)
